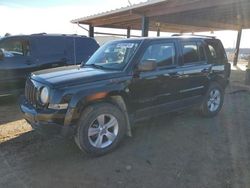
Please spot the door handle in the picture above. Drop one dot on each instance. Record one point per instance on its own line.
(175, 74)
(205, 70)
(54, 65)
(29, 62)
(64, 60)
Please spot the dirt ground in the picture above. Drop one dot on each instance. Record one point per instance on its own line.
(176, 150)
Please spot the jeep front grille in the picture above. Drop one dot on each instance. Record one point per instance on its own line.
(30, 92)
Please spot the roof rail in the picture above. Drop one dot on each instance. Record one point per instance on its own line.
(60, 34)
(175, 35)
(39, 34)
(77, 35)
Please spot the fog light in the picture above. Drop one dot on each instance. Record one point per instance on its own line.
(58, 106)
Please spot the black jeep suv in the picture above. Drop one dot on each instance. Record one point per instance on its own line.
(126, 81)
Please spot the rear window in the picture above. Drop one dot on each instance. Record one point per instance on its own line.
(193, 52)
(190, 52)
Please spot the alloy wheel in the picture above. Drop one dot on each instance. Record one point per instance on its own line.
(103, 131)
(214, 100)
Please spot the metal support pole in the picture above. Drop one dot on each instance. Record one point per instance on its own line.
(247, 80)
(91, 31)
(158, 31)
(145, 26)
(236, 54)
(128, 32)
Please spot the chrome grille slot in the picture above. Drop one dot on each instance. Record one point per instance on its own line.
(30, 92)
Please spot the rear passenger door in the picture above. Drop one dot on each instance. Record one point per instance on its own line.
(195, 70)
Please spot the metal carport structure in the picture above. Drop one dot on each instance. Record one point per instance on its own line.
(181, 16)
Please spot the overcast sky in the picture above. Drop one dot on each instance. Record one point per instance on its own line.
(30, 16)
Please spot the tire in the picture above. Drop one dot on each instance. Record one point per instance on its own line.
(213, 100)
(100, 129)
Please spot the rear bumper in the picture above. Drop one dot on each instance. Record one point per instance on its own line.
(39, 117)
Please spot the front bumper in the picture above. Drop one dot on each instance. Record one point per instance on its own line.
(41, 117)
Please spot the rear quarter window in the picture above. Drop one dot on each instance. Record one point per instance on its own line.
(216, 50)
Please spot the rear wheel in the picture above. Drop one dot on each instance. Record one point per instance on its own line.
(213, 100)
(100, 129)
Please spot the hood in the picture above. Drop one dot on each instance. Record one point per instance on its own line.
(73, 75)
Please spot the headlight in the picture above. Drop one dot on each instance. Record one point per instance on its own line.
(44, 95)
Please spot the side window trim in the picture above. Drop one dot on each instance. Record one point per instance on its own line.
(28, 47)
(202, 45)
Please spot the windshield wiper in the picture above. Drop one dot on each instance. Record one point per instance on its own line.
(95, 66)
(98, 66)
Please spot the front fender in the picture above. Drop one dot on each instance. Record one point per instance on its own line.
(83, 96)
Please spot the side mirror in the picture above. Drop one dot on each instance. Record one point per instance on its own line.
(1, 54)
(147, 65)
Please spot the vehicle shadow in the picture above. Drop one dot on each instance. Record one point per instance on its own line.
(8, 100)
(37, 159)
(173, 147)
(9, 110)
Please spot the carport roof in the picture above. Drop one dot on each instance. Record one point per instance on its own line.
(176, 16)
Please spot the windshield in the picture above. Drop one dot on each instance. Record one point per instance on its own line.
(114, 55)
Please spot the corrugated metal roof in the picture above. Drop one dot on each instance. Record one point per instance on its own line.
(119, 10)
(176, 15)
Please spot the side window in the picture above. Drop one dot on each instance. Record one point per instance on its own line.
(163, 54)
(190, 52)
(15, 48)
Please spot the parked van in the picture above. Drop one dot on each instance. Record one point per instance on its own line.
(20, 55)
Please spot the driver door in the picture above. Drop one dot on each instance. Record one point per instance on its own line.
(152, 91)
